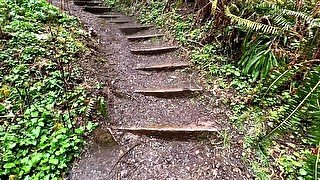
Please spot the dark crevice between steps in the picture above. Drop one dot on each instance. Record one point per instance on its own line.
(120, 21)
(159, 50)
(128, 30)
(144, 37)
(110, 16)
(88, 3)
(97, 9)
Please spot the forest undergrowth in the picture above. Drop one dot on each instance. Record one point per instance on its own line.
(268, 52)
(43, 102)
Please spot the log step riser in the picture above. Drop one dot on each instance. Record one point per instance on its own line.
(163, 67)
(96, 10)
(132, 30)
(119, 21)
(87, 3)
(153, 51)
(178, 133)
(109, 16)
(146, 37)
(169, 93)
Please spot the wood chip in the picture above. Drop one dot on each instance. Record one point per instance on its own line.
(158, 50)
(168, 66)
(144, 37)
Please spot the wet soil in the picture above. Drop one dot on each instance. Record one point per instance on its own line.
(137, 156)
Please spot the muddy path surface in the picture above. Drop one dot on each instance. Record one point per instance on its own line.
(158, 98)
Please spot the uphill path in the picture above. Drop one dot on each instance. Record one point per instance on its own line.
(173, 127)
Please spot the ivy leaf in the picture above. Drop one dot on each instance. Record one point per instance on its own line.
(2, 107)
(12, 145)
(80, 130)
(26, 168)
(302, 172)
(54, 161)
(36, 132)
(9, 165)
(90, 126)
(36, 158)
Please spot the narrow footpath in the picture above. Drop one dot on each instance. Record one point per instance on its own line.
(167, 125)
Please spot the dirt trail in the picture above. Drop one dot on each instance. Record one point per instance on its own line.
(177, 156)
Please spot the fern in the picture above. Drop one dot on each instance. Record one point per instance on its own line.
(306, 108)
(279, 20)
(303, 16)
(214, 6)
(317, 164)
(313, 164)
(279, 14)
(251, 25)
(102, 107)
(275, 9)
(307, 96)
(315, 23)
(90, 106)
(98, 102)
(279, 78)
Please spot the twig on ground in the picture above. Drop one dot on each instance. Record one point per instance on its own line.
(122, 156)
(111, 133)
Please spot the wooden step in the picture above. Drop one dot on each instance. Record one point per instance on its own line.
(110, 16)
(186, 128)
(133, 29)
(120, 21)
(97, 9)
(170, 92)
(168, 66)
(159, 50)
(170, 132)
(144, 37)
(88, 3)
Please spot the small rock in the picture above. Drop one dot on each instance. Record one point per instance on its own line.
(218, 165)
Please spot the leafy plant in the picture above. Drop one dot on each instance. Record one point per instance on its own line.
(258, 58)
(40, 101)
(304, 109)
(280, 47)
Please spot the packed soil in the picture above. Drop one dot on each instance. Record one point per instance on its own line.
(140, 155)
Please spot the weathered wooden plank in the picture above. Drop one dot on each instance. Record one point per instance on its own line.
(174, 90)
(110, 16)
(158, 50)
(169, 93)
(185, 128)
(184, 132)
(168, 66)
(97, 9)
(133, 29)
(88, 3)
(144, 37)
(120, 21)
